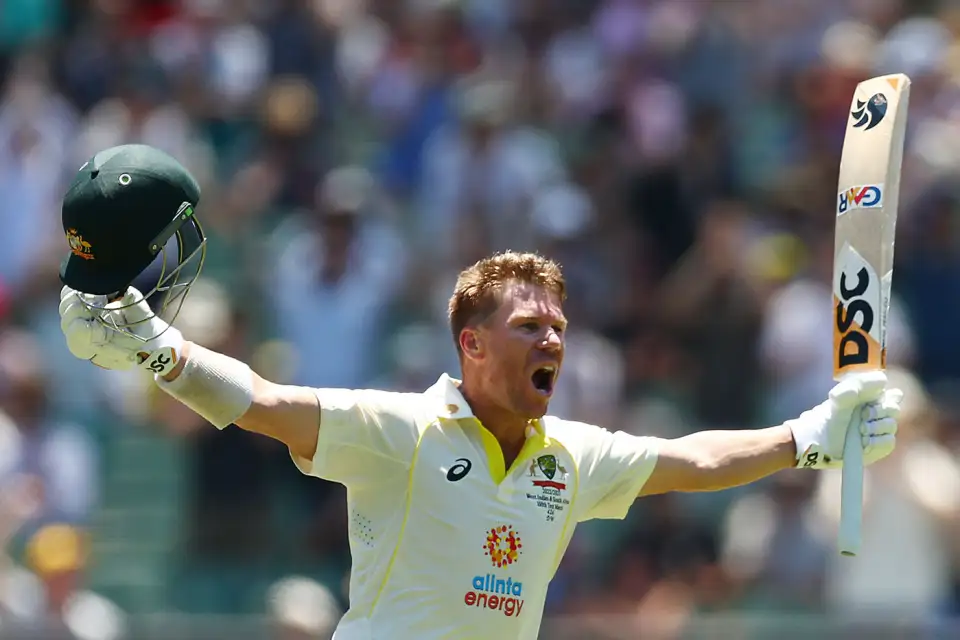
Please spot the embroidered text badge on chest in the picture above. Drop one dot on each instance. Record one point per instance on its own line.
(548, 486)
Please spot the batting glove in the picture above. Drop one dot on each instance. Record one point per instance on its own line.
(861, 399)
(102, 335)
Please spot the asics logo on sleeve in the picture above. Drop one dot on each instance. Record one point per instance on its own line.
(459, 470)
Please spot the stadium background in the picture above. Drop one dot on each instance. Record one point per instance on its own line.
(679, 157)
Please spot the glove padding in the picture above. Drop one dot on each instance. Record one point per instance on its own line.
(861, 398)
(95, 334)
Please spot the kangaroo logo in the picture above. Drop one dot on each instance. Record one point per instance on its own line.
(870, 113)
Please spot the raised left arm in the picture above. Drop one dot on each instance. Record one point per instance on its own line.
(715, 460)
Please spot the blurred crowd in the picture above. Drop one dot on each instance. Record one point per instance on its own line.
(678, 157)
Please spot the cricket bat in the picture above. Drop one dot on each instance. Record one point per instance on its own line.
(865, 228)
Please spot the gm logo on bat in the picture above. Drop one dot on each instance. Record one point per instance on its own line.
(862, 197)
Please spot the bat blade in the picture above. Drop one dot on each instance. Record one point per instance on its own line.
(868, 194)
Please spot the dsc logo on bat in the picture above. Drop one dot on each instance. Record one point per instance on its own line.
(861, 197)
(858, 297)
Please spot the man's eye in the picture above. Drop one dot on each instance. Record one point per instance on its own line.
(529, 326)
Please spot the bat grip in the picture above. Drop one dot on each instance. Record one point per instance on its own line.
(851, 490)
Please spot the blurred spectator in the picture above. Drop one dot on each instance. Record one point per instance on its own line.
(340, 268)
(57, 457)
(230, 484)
(710, 301)
(47, 600)
(142, 111)
(480, 175)
(772, 547)
(302, 609)
(927, 282)
(36, 125)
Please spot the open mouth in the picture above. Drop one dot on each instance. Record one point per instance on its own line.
(543, 379)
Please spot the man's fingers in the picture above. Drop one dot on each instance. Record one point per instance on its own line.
(846, 393)
(872, 385)
(91, 303)
(110, 357)
(889, 406)
(84, 337)
(133, 307)
(893, 396)
(858, 389)
(86, 320)
(91, 340)
(886, 442)
(131, 296)
(870, 429)
(72, 309)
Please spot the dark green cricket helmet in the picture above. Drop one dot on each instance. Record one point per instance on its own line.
(121, 214)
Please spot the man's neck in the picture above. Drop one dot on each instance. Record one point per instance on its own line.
(508, 428)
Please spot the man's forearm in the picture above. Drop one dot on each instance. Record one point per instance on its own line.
(733, 458)
(226, 391)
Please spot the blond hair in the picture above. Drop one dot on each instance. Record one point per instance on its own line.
(479, 288)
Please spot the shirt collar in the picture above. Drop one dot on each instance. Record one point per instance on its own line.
(451, 403)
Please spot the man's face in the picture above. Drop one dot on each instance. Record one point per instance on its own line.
(519, 349)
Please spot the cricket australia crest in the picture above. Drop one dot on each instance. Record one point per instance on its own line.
(548, 478)
(548, 465)
(78, 245)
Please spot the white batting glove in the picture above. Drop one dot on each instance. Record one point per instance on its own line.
(96, 335)
(864, 399)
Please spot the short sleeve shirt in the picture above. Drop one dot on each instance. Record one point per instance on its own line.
(447, 542)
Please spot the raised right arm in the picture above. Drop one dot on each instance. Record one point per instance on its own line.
(343, 435)
(226, 391)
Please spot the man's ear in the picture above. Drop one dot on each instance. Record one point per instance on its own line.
(470, 343)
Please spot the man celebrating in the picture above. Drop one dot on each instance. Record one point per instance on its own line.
(464, 497)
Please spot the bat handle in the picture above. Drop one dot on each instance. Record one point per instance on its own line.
(851, 491)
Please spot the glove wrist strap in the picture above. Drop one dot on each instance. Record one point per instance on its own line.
(807, 453)
(164, 354)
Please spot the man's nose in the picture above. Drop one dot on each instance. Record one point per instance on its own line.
(552, 341)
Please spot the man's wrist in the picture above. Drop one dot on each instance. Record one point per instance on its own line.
(165, 353)
(805, 435)
(794, 445)
(181, 363)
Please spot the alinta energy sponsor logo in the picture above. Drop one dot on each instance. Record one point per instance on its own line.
(498, 592)
(495, 593)
(503, 546)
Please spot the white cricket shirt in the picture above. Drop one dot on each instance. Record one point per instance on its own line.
(446, 542)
